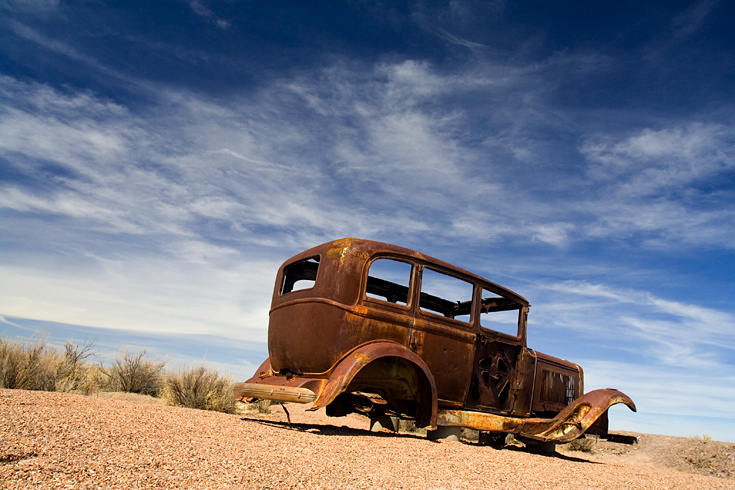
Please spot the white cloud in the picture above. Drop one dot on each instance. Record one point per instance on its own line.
(659, 160)
(553, 233)
(691, 19)
(334, 153)
(147, 295)
(659, 330)
(47, 138)
(460, 41)
(674, 401)
(665, 186)
(201, 10)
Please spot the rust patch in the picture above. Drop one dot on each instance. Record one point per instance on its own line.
(339, 251)
(362, 358)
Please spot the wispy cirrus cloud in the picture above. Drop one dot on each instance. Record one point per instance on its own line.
(657, 160)
(691, 19)
(338, 152)
(659, 330)
(670, 183)
(668, 410)
(201, 10)
(325, 132)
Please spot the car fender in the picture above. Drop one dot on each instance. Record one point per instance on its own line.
(579, 415)
(568, 424)
(350, 365)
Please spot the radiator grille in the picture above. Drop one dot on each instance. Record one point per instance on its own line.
(557, 388)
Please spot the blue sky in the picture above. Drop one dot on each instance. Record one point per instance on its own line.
(159, 160)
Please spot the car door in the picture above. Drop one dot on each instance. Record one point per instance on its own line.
(497, 350)
(442, 332)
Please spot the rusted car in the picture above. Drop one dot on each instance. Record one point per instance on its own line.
(363, 326)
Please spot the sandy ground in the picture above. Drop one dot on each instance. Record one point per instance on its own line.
(54, 440)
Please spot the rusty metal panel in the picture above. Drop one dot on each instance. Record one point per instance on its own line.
(308, 336)
(557, 383)
(568, 424)
(448, 353)
(556, 387)
(351, 340)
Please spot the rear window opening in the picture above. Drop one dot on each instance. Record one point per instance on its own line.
(300, 275)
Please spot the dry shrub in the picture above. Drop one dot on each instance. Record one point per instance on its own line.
(199, 388)
(75, 375)
(135, 373)
(93, 379)
(35, 367)
(703, 438)
(702, 454)
(582, 444)
(39, 367)
(11, 363)
(254, 406)
(264, 406)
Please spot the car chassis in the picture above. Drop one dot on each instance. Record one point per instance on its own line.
(363, 326)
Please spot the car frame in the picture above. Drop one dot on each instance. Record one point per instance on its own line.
(363, 326)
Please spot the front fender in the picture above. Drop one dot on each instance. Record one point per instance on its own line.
(568, 424)
(347, 368)
(579, 415)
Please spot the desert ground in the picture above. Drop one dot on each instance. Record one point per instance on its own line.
(58, 440)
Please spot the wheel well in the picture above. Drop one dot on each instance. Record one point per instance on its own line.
(401, 383)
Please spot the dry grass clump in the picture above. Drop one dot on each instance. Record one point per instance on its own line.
(74, 375)
(256, 407)
(582, 444)
(135, 373)
(28, 368)
(200, 388)
(263, 406)
(36, 366)
(39, 367)
(704, 455)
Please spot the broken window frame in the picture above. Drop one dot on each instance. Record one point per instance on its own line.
(376, 286)
(292, 275)
(439, 307)
(498, 303)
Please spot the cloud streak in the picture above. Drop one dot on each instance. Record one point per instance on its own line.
(321, 134)
(669, 332)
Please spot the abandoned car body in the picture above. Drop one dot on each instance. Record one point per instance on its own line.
(363, 326)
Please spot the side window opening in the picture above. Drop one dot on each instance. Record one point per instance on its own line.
(388, 280)
(300, 275)
(446, 295)
(499, 314)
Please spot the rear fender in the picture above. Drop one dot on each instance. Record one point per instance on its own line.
(349, 367)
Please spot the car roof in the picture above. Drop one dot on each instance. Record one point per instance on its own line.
(367, 249)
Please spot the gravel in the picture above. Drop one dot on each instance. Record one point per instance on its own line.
(56, 440)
